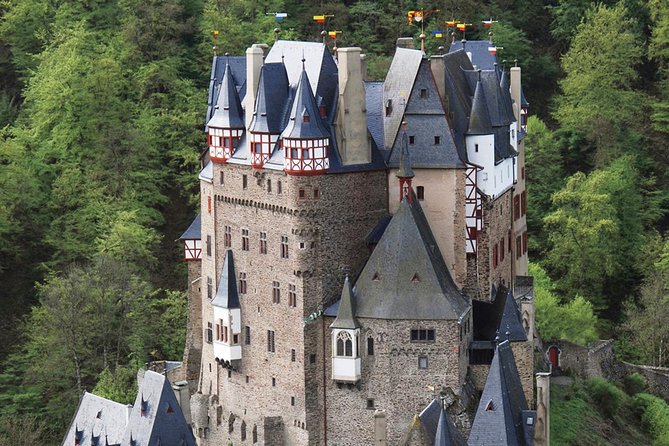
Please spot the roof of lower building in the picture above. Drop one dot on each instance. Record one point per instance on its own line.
(417, 434)
(499, 417)
(510, 325)
(226, 294)
(440, 426)
(193, 231)
(406, 276)
(97, 417)
(481, 57)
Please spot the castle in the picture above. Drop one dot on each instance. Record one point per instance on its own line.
(361, 250)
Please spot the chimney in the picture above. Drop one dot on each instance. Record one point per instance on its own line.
(380, 423)
(254, 62)
(405, 42)
(351, 124)
(542, 430)
(182, 393)
(439, 73)
(515, 92)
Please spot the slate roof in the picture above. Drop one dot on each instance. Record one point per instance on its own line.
(397, 88)
(440, 427)
(155, 418)
(304, 104)
(481, 57)
(193, 231)
(226, 294)
(219, 63)
(417, 434)
(97, 417)
(405, 170)
(272, 100)
(510, 321)
(499, 417)
(479, 120)
(156, 415)
(406, 276)
(228, 111)
(345, 318)
(459, 96)
(375, 110)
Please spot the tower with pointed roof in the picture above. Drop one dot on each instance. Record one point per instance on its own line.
(226, 126)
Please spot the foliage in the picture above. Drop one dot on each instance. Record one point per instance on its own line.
(599, 99)
(607, 396)
(635, 383)
(21, 431)
(119, 385)
(574, 321)
(654, 413)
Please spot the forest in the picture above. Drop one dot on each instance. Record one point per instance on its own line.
(102, 106)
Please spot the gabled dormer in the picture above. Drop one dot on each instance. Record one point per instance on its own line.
(226, 126)
(265, 127)
(345, 339)
(305, 140)
(227, 316)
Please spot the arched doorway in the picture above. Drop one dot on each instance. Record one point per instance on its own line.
(554, 356)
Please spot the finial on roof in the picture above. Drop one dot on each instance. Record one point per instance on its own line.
(490, 37)
(277, 31)
(441, 49)
(515, 62)
(303, 59)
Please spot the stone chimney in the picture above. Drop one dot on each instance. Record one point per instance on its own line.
(515, 92)
(380, 425)
(542, 430)
(439, 74)
(406, 42)
(182, 393)
(353, 143)
(254, 62)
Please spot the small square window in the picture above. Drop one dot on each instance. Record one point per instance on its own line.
(412, 139)
(301, 193)
(317, 194)
(370, 403)
(312, 358)
(437, 140)
(422, 362)
(423, 93)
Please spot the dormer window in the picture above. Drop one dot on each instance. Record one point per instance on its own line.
(305, 118)
(423, 93)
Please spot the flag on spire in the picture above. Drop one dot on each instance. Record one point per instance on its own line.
(489, 23)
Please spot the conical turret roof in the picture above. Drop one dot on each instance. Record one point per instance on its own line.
(226, 294)
(345, 318)
(305, 121)
(479, 119)
(273, 94)
(228, 112)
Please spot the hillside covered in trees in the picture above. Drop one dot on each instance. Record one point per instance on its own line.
(102, 109)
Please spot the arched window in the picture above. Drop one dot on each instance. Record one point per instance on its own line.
(370, 346)
(344, 344)
(255, 433)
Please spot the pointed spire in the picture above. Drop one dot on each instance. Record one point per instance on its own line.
(300, 126)
(511, 320)
(441, 438)
(345, 318)
(479, 120)
(228, 112)
(226, 294)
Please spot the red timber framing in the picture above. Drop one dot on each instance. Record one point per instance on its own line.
(305, 156)
(192, 250)
(222, 143)
(473, 210)
(261, 148)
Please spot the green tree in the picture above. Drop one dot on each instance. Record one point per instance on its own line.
(599, 99)
(574, 321)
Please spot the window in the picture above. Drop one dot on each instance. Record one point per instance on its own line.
(317, 194)
(422, 335)
(302, 245)
(476, 148)
(255, 433)
(245, 239)
(301, 194)
(222, 178)
(273, 381)
(370, 403)
(412, 139)
(210, 288)
(269, 186)
(495, 256)
(422, 362)
(519, 247)
(516, 207)
(370, 346)
(522, 173)
(245, 182)
(247, 381)
(292, 296)
(263, 243)
(209, 334)
(510, 239)
(209, 245)
(243, 430)
(276, 292)
(389, 107)
(344, 344)
(423, 93)
(524, 242)
(242, 283)
(247, 335)
(270, 342)
(437, 140)
(501, 250)
(312, 358)
(305, 118)
(292, 400)
(284, 247)
(227, 236)
(523, 203)
(420, 193)
(293, 355)
(278, 187)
